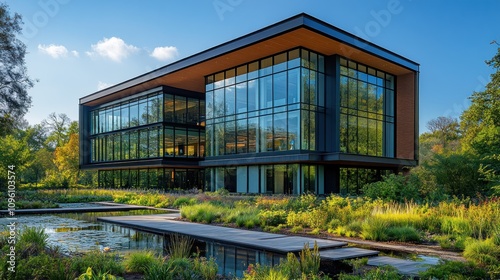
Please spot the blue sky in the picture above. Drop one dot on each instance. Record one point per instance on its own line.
(76, 47)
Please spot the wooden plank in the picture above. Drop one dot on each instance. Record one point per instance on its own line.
(347, 253)
(278, 243)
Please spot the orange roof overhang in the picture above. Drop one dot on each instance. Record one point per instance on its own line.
(189, 73)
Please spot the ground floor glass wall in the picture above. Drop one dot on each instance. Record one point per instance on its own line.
(167, 179)
(352, 180)
(269, 179)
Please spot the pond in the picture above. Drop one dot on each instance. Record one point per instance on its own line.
(82, 232)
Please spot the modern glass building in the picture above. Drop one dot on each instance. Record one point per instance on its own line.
(299, 106)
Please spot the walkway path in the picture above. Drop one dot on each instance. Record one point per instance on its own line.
(279, 243)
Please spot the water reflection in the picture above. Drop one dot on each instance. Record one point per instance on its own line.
(81, 232)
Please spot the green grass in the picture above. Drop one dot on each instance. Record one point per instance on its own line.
(140, 261)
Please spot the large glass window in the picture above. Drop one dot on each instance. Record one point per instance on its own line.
(180, 142)
(366, 110)
(151, 141)
(169, 142)
(258, 97)
(143, 111)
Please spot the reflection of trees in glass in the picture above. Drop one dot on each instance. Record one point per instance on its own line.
(362, 111)
(352, 180)
(134, 144)
(153, 143)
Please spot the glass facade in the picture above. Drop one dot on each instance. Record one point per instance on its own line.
(366, 110)
(274, 106)
(166, 179)
(269, 179)
(267, 105)
(153, 126)
(352, 180)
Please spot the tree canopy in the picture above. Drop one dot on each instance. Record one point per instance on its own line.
(14, 80)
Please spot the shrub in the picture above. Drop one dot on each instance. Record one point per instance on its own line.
(157, 271)
(181, 201)
(43, 266)
(403, 234)
(379, 273)
(454, 270)
(204, 212)
(394, 188)
(316, 218)
(374, 229)
(179, 246)
(272, 217)
(296, 229)
(91, 275)
(456, 226)
(454, 242)
(99, 262)
(206, 268)
(32, 241)
(180, 268)
(292, 268)
(310, 260)
(482, 252)
(248, 220)
(140, 261)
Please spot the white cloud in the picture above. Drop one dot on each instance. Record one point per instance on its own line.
(165, 53)
(55, 51)
(103, 85)
(112, 48)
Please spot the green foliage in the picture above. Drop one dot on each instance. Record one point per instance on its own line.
(457, 174)
(43, 266)
(140, 261)
(204, 212)
(157, 272)
(91, 275)
(99, 262)
(379, 273)
(404, 234)
(272, 217)
(375, 229)
(13, 151)
(454, 270)
(207, 268)
(247, 219)
(179, 246)
(394, 188)
(306, 267)
(181, 201)
(180, 268)
(309, 259)
(14, 79)
(482, 252)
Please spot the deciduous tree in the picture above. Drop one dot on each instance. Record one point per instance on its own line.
(14, 79)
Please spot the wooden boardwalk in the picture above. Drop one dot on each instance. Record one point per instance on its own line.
(165, 223)
(329, 249)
